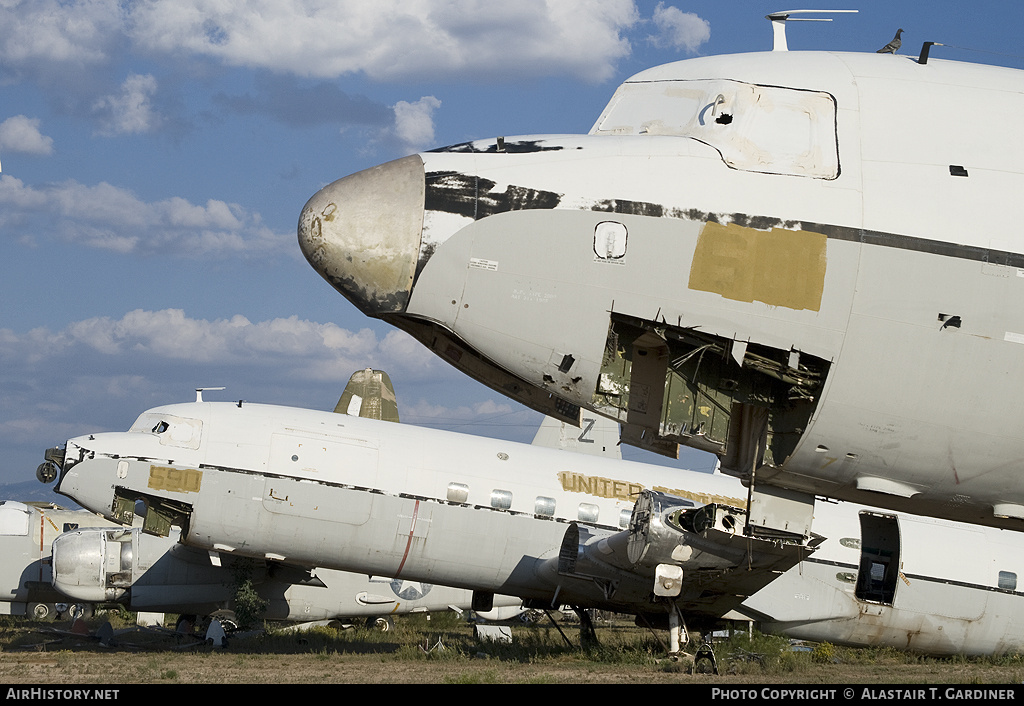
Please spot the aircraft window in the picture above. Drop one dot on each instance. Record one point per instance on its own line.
(768, 129)
(458, 492)
(145, 423)
(588, 512)
(544, 507)
(171, 430)
(14, 519)
(624, 516)
(501, 499)
(609, 240)
(1008, 580)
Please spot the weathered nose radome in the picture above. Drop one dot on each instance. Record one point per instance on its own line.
(362, 234)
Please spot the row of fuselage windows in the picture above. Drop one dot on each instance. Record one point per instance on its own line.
(542, 506)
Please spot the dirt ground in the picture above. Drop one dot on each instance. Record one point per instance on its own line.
(68, 667)
(34, 655)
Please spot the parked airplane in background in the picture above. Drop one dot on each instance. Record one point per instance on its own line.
(800, 261)
(304, 488)
(27, 531)
(97, 561)
(298, 488)
(160, 575)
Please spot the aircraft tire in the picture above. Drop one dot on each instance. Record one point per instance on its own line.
(41, 611)
(186, 623)
(227, 619)
(380, 623)
(80, 610)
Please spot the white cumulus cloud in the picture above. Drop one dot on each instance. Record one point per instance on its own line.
(414, 122)
(295, 348)
(112, 218)
(34, 31)
(395, 39)
(129, 111)
(679, 30)
(99, 373)
(391, 40)
(21, 134)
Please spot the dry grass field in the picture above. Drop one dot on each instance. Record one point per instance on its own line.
(443, 650)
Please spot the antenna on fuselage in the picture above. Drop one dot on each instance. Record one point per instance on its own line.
(199, 392)
(779, 20)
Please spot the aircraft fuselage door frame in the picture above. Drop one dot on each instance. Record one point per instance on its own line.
(880, 558)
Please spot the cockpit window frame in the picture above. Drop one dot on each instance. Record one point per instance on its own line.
(170, 429)
(726, 114)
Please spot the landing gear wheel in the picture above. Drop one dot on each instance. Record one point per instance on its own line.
(380, 623)
(227, 619)
(588, 634)
(80, 610)
(186, 624)
(41, 611)
(704, 661)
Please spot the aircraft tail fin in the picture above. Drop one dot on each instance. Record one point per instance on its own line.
(597, 435)
(369, 393)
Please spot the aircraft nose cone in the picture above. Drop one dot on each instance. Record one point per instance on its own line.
(362, 234)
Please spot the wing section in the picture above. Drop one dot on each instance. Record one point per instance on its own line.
(697, 558)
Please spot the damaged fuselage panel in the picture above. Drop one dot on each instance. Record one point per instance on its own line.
(686, 387)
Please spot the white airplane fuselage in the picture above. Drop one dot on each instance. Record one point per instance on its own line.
(27, 531)
(801, 261)
(51, 555)
(903, 581)
(158, 574)
(327, 490)
(314, 489)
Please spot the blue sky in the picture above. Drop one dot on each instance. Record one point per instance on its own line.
(156, 155)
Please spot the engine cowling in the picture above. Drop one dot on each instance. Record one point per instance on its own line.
(665, 529)
(676, 546)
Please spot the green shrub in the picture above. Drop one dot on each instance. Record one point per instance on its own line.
(249, 606)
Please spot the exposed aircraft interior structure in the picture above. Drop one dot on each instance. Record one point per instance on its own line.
(798, 261)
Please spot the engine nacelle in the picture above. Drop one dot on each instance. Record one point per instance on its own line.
(667, 537)
(676, 549)
(93, 565)
(665, 529)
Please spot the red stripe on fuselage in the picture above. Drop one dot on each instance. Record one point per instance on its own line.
(408, 544)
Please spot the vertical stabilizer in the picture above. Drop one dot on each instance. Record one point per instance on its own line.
(369, 394)
(596, 435)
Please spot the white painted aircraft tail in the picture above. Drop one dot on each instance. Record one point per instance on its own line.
(596, 435)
